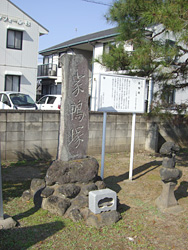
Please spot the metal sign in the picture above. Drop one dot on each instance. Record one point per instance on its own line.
(118, 93)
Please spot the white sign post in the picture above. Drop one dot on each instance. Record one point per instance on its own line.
(132, 146)
(103, 144)
(118, 93)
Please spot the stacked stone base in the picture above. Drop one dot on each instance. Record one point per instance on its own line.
(65, 191)
(167, 202)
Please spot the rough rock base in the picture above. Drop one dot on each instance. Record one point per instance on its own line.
(65, 191)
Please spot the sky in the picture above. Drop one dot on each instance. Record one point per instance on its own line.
(66, 19)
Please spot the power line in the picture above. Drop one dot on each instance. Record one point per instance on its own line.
(95, 2)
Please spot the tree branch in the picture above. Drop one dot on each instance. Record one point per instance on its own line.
(157, 34)
(183, 49)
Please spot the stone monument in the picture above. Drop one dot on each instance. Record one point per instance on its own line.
(70, 178)
(169, 176)
(73, 137)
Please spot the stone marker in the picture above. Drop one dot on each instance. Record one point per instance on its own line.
(71, 177)
(169, 176)
(73, 137)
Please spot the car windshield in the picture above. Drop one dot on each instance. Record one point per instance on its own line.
(21, 99)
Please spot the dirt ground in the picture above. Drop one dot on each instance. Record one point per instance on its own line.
(137, 197)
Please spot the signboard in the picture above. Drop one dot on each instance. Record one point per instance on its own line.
(118, 93)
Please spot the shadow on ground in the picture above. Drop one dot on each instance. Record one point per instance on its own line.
(26, 237)
(112, 181)
(182, 158)
(37, 205)
(17, 177)
(37, 153)
(181, 191)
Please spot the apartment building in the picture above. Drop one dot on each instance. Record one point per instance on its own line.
(92, 47)
(19, 49)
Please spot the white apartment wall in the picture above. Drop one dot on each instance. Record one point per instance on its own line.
(181, 95)
(25, 60)
(98, 51)
(97, 68)
(27, 78)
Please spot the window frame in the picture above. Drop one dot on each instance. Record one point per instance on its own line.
(168, 97)
(12, 76)
(14, 46)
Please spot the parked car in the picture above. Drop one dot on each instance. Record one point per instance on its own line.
(16, 100)
(49, 102)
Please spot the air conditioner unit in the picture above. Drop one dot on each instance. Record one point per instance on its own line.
(51, 72)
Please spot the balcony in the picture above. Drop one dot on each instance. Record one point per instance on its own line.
(47, 71)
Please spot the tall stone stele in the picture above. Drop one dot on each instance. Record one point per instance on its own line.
(74, 121)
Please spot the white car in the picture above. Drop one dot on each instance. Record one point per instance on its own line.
(49, 102)
(16, 100)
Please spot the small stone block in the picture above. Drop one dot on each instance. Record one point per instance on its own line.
(102, 200)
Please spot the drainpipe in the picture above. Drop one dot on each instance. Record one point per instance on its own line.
(91, 72)
(150, 94)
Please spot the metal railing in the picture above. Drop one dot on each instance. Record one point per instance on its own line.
(47, 70)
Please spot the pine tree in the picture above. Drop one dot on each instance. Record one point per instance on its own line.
(158, 30)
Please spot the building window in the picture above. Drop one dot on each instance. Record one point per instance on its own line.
(169, 97)
(12, 83)
(14, 39)
(48, 59)
(106, 48)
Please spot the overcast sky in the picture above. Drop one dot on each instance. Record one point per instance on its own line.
(66, 19)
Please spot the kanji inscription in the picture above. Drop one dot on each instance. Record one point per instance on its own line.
(73, 137)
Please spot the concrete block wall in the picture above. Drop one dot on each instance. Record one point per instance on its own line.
(176, 128)
(118, 132)
(34, 134)
(26, 134)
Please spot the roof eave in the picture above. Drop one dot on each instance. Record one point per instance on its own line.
(78, 43)
(46, 31)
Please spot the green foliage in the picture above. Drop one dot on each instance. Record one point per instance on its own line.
(117, 59)
(158, 31)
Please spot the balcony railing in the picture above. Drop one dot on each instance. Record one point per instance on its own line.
(47, 70)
